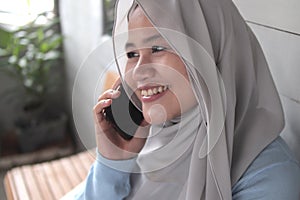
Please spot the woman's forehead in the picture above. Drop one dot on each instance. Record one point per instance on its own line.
(144, 37)
(138, 19)
(141, 30)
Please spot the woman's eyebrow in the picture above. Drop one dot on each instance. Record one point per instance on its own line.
(152, 38)
(128, 45)
(145, 41)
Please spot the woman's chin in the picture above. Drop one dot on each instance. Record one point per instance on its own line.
(155, 115)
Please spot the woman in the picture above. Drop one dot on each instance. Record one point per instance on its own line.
(207, 93)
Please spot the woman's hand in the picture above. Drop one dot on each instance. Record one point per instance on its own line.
(110, 144)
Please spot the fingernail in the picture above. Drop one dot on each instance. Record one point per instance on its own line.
(115, 93)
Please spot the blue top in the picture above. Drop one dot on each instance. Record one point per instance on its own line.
(273, 175)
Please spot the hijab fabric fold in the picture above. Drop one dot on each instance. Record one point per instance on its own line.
(239, 108)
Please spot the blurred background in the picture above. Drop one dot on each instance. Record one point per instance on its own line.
(42, 45)
(44, 42)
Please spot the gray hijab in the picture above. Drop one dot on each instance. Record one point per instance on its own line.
(240, 111)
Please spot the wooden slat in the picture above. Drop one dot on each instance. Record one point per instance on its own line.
(85, 160)
(41, 178)
(10, 188)
(92, 156)
(52, 181)
(34, 190)
(71, 172)
(78, 166)
(19, 183)
(62, 178)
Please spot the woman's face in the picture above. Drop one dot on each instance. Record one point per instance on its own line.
(158, 73)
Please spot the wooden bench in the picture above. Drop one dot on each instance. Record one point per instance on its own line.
(48, 180)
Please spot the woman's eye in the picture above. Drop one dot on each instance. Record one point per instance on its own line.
(132, 54)
(156, 49)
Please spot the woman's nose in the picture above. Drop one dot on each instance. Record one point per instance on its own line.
(144, 69)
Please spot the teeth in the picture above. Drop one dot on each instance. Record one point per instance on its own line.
(144, 93)
(153, 91)
(150, 92)
(160, 89)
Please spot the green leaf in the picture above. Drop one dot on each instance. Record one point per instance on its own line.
(56, 42)
(40, 34)
(44, 47)
(5, 38)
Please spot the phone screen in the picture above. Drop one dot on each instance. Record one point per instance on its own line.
(124, 116)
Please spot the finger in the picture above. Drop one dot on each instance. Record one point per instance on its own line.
(98, 108)
(109, 94)
(117, 83)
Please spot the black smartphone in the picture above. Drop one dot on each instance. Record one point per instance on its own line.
(124, 116)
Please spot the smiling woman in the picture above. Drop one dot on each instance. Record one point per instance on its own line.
(212, 113)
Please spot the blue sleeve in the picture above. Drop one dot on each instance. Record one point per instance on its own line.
(105, 182)
(274, 175)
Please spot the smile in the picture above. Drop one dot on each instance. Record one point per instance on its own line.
(153, 91)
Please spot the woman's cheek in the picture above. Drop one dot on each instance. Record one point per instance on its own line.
(130, 82)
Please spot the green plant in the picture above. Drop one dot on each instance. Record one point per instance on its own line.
(27, 54)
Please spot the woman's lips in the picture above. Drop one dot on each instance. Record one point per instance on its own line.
(152, 93)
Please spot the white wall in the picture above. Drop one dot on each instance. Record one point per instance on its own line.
(279, 14)
(82, 28)
(276, 24)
